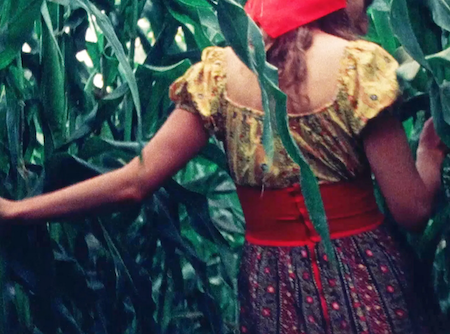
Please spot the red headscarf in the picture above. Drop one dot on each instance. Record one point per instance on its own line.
(277, 17)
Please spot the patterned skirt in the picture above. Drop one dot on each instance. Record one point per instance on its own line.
(296, 290)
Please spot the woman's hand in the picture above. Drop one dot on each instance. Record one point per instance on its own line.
(430, 143)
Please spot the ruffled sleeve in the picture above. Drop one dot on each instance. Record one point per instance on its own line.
(200, 90)
(370, 81)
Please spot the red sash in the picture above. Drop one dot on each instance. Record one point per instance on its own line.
(278, 217)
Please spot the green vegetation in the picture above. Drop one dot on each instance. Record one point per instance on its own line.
(167, 266)
(84, 84)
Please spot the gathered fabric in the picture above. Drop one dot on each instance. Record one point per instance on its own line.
(287, 284)
(278, 217)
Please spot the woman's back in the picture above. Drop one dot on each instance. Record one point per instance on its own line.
(348, 84)
(323, 60)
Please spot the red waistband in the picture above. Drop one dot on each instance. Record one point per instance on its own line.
(278, 217)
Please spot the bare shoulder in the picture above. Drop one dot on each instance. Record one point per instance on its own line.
(242, 84)
(326, 45)
(236, 69)
(323, 61)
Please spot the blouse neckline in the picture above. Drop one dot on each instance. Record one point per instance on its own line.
(260, 114)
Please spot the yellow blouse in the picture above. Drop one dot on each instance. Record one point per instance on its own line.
(329, 138)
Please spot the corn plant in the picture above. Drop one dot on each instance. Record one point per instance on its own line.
(84, 85)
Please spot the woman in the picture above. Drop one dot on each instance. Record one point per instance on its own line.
(339, 116)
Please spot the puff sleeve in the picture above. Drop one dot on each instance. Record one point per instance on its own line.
(371, 83)
(200, 90)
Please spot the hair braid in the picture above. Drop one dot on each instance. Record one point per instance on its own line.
(288, 53)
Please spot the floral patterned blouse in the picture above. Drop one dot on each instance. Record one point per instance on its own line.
(329, 138)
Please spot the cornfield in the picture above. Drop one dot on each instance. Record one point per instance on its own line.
(84, 85)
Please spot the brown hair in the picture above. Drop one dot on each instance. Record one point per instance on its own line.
(287, 52)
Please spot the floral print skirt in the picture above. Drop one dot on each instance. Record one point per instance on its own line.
(296, 290)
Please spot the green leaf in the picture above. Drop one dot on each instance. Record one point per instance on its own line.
(409, 70)
(440, 110)
(440, 58)
(52, 88)
(308, 182)
(196, 3)
(239, 32)
(159, 77)
(236, 25)
(16, 27)
(441, 12)
(48, 22)
(14, 121)
(108, 30)
(402, 28)
(186, 18)
(210, 25)
(382, 25)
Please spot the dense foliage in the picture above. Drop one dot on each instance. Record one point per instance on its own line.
(168, 266)
(83, 85)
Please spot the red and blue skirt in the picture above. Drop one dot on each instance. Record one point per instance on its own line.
(287, 285)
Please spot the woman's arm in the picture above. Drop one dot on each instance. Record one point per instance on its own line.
(409, 187)
(179, 139)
